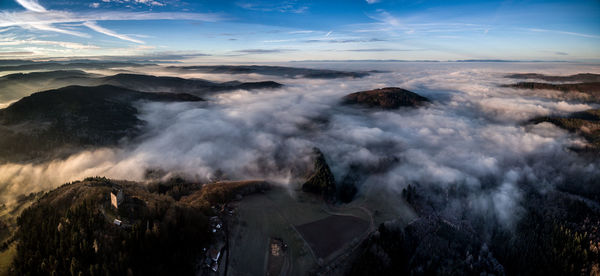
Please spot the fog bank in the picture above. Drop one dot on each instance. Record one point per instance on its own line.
(472, 136)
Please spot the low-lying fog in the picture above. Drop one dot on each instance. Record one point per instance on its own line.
(472, 135)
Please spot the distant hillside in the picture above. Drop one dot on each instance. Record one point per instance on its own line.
(72, 117)
(173, 84)
(585, 123)
(556, 234)
(387, 98)
(585, 77)
(587, 91)
(71, 231)
(288, 72)
(31, 66)
(584, 87)
(16, 86)
(592, 88)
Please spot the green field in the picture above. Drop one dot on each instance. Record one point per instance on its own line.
(278, 213)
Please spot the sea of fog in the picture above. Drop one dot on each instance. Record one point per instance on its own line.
(474, 134)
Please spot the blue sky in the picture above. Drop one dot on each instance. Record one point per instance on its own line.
(247, 30)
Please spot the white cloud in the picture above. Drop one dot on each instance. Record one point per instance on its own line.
(63, 44)
(563, 32)
(50, 28)
(95, 5)
(92, 25)
(149, 2)
(37, 17)
(372, 1)
(144, 2)
(290, 6)
(31, 5)
(471, 136)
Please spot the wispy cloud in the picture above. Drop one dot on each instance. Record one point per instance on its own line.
(31, 5)
(39, 18)
(301, 32)
(50, 28)
(92, 25)
(19, 53)
(382, 50)
(263, 51)
(279, 40)
(349, 40)
(63, 44)
(563, 32)
(290, 6)
(145, 2)
(150, 2)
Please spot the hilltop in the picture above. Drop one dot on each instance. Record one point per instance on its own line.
(387, 98)
(73, 229)
(73, 117)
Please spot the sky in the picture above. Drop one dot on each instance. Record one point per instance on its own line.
(296, 30)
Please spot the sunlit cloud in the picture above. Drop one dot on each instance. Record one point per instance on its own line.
(31, 5)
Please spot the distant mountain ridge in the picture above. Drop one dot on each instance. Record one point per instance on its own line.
(584, 123)
(281, 71)
(584, 87)
(73, 117)
(583, 77)
(16, 86)
(67, 65)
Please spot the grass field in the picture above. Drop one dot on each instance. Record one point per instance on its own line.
(333, 233)
(273, 214)
(276, 213)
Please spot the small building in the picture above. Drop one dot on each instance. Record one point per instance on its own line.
(116, 198)
(117, 222)
(215, 223)
(215, 254)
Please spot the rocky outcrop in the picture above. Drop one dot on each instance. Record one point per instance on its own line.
(321, 181)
